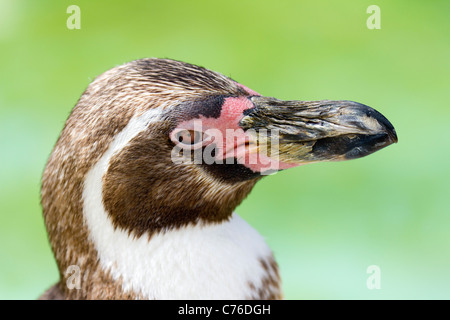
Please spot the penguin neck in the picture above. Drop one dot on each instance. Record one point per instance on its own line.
(198, 260)
(201, 259)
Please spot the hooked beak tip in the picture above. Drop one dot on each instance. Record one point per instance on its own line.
(384, 123)
(393, 136)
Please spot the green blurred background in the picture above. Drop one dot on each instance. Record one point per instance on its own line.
(326, 223)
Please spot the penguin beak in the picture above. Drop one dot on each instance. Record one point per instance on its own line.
(300, 132)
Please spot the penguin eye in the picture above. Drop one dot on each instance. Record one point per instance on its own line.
(189, 138)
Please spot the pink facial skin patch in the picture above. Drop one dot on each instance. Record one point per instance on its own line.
(230, 140)
(248, 90)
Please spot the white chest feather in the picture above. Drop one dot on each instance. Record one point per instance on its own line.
(209, 262)
(213, 261)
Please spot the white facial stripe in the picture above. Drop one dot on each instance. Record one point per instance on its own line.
(214, 261)
(102, 232)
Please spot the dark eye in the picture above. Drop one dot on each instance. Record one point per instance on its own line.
(189, 137)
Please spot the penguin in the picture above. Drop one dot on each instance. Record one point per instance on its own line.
(139, 193)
